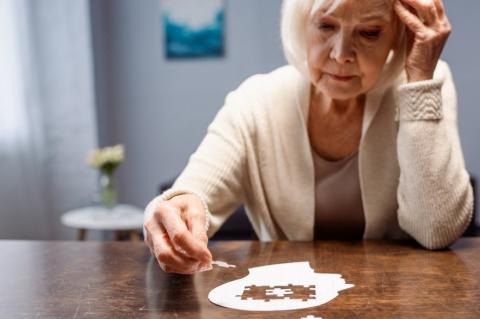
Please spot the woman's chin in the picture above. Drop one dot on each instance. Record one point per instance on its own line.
(342, 91)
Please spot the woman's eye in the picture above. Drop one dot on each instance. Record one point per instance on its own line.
(370, 34)
(326, 26)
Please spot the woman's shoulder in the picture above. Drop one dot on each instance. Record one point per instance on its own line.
(268, 94)
(266, 98)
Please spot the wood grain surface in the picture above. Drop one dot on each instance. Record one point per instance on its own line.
(120, 280)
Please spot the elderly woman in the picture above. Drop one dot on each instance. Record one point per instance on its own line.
(355, 138)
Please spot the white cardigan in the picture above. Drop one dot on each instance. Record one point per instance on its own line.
(412, 173)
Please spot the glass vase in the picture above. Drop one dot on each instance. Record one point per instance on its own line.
(108, 192)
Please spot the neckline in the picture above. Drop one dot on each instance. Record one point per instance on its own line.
(340, 162)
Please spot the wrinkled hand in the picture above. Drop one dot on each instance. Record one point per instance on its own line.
(176, 235)
(428, 29)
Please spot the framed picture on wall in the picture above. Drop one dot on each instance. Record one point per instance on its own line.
(193, 28)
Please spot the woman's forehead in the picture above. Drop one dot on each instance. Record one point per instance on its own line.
(359, 9)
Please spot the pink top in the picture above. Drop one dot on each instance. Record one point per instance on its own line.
(338, 199)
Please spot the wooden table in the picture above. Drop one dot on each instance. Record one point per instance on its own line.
(121, 280)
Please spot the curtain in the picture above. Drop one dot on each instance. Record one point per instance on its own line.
(47, 122)
(20, 142)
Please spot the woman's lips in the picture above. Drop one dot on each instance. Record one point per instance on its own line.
(343, 78)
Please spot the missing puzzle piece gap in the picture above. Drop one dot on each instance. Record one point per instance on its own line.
(279, 292)
(267, 293)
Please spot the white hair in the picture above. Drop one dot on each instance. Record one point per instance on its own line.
(295, 17)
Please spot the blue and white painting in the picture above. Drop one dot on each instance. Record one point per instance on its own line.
(193, 28)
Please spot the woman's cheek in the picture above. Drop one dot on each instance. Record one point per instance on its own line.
(370, 65)
(316, 59)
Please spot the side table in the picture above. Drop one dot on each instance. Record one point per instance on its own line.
(122, 219)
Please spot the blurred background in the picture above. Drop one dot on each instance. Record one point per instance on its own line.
(79, 74)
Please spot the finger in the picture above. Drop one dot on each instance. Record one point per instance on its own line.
(440, 8)
(197, 227)
(425, 9)
(168, 258)
(180, 236)
(151, 229)
(196, 223)
(174, 264)
(195, 218)
(408, 18)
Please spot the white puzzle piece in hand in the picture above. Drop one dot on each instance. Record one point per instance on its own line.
(279, 287)
(223, 264)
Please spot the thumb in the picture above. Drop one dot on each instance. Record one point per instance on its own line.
(193, 213)
(196, 224)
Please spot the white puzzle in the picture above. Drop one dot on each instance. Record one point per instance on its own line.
(279, 287)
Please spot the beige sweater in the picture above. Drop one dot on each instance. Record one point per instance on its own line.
(412, 173)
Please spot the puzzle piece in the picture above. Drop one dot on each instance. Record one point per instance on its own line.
(267, 293)
(222, 264)
(311, 317)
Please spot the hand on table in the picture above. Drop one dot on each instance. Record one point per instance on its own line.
(428, 29)
(176, 235)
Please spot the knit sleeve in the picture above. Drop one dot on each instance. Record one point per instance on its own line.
(216, 170)
(435, 197)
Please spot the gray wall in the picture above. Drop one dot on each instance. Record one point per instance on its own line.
(462, 53)
(160, 109)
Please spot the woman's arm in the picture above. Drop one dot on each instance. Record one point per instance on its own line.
(177, 221)
(434, 194)
(216, 171)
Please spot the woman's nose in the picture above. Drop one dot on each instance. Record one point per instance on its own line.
(342, 49)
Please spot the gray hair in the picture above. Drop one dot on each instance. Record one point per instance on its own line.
(295, 17)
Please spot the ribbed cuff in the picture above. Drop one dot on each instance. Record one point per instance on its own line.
(420, 101)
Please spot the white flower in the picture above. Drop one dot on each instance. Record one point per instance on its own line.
(107, 157)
